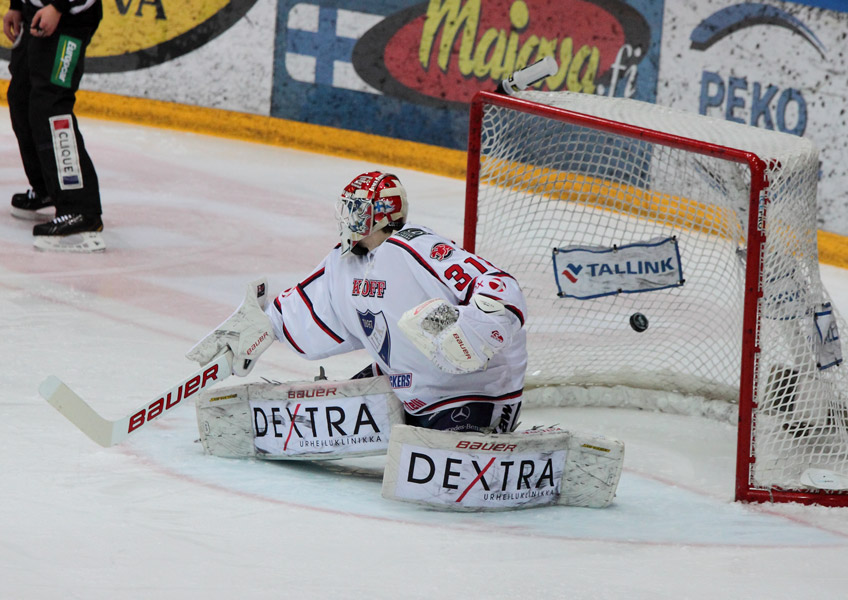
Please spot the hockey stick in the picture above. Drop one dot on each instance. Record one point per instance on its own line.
(824, 479)
(107, 432)
(529, 75)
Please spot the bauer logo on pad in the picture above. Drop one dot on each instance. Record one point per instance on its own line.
(585, 272)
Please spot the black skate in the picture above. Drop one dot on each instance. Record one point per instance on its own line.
(31, 206)
(70, 233)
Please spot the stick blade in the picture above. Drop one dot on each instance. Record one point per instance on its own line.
(824, 480)
(75, 409)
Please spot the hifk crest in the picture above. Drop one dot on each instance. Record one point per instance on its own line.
(441, 251)
(376, 329)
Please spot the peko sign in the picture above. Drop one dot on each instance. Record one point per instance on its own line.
(769, 64)
(409, 69)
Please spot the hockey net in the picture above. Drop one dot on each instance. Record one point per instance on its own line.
(571, 193)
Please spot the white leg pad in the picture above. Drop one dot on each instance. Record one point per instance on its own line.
(299, 420)
(478, 472)
(592, 471)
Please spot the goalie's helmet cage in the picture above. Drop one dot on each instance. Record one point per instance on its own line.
(367, 204)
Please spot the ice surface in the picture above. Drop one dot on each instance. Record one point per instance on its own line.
(189, 221)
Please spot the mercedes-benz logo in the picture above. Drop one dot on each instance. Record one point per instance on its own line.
(458, 415)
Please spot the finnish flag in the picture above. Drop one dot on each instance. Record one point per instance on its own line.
(320, 43)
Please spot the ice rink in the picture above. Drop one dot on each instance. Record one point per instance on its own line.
(189, 220)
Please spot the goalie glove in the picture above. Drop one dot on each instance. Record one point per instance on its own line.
(247, 333)
(458, 339)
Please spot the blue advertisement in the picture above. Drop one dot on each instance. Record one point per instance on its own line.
(408, 70)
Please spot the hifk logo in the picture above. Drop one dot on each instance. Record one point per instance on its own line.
(441, 251)
(572, 271)
(376, 330)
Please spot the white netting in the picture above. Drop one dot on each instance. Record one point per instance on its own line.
(548, 184)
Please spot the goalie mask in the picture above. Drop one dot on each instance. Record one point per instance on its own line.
(369, 203)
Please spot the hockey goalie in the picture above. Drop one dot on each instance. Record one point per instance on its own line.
(442, 397)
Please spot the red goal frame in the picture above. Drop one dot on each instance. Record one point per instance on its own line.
(745, 490)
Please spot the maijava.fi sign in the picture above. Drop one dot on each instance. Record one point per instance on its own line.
(439, 53)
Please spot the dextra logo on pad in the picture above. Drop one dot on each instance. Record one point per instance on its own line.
(65, 151)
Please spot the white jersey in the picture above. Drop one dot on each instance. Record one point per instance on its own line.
(354, 302)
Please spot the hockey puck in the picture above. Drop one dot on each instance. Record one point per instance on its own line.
(638, 322)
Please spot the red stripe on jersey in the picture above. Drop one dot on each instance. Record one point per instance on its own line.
(315, 317)
(516, 312)
(312, 277)
(469, 293)
(519, 315)
(290, 340)
(500, 274)
(442, 404)
(420, 259)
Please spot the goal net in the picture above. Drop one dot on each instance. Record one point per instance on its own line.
(669, 261)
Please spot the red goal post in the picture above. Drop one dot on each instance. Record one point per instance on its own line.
(567, 191)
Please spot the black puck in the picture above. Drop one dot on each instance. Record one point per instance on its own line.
(638, 322)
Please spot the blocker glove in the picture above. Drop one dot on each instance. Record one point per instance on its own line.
(247, 333)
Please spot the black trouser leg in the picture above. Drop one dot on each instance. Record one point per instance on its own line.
(18, 96)
(66, 167)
